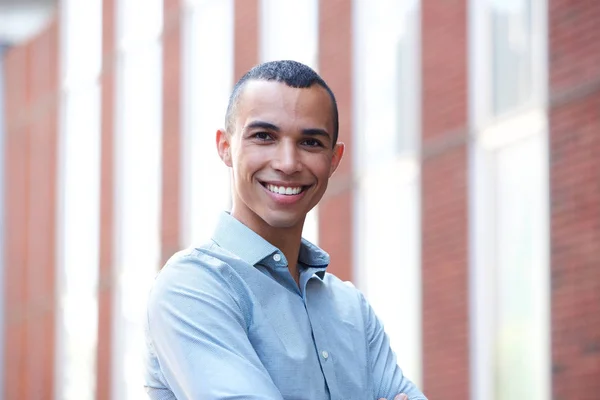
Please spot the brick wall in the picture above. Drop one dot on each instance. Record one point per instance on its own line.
(574, 60)
(245, 53)
(31, 75)
(171, 146)
(444, 200)
(335, 66)
(107, 211)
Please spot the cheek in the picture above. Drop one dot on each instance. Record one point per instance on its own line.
(320, 166)
(245, 165)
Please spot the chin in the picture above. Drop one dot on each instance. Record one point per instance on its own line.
(277, 220)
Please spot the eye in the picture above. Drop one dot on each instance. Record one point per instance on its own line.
(312, 143)
(263, 136)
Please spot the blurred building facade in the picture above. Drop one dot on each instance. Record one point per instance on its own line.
(467, 207)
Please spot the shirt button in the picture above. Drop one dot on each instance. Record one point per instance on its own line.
(325, 354)
(277, 257)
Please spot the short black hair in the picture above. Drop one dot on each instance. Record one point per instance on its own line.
(293, 74)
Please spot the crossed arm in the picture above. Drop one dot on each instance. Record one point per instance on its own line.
(193, 325)
(387, 375)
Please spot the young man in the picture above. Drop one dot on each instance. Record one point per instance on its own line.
(252, 314)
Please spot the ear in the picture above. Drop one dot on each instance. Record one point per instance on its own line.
(224, 146)
(338, 152)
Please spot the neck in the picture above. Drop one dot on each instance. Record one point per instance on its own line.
(287, 240)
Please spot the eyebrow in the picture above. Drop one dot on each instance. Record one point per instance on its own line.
(261, 125)
(275, 128)
(316, 132)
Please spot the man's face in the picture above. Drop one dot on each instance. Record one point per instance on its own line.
(281, 153)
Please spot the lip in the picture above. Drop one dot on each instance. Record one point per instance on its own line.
(284, 199)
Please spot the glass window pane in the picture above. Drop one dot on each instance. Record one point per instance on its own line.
(389, 219)
(390, 78)
(79, 222)
(138, 141)
(512, 61)
(81, 41)
(138, 176)
(208, 35)
(138, 20)
(387, 107)
(79, 204)
(520, 275)
(289, 30)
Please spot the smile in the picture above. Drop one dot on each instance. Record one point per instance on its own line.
(284, 190)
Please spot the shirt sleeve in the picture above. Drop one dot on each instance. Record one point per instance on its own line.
(198, 333)
(388, 378)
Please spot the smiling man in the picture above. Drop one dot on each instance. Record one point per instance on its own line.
(253, 314)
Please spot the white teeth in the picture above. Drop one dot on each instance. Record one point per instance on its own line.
(284, 190)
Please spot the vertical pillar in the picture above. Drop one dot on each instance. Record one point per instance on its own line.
(16, 167)
(107, 224)
(2, 215)
(245, 36)
(444, 199)
(171, 132)
(31, 73)
(574, 113)
(335, 66)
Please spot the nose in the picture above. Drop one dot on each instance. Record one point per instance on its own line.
(287, 160)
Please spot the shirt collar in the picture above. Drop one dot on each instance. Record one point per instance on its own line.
(242, 241)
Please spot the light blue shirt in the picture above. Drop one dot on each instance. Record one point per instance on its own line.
(227, 321)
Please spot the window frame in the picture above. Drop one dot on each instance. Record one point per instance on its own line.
(481, 64)
(78, 206)
(489, 134)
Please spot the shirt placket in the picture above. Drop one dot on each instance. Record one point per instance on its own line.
(322, 340)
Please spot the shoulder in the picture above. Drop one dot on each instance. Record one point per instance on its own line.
(197, 273)
(191, 265)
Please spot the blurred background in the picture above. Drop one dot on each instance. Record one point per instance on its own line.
(467, 207)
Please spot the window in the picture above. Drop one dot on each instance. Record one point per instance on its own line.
(138, 184)
(508, 59)
(207, 35)
(520, 230)
(387, 206)
(79, 207)
(290, 30)
(511, 54)
(509, 201)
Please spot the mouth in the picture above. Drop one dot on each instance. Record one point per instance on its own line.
(285, 190)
